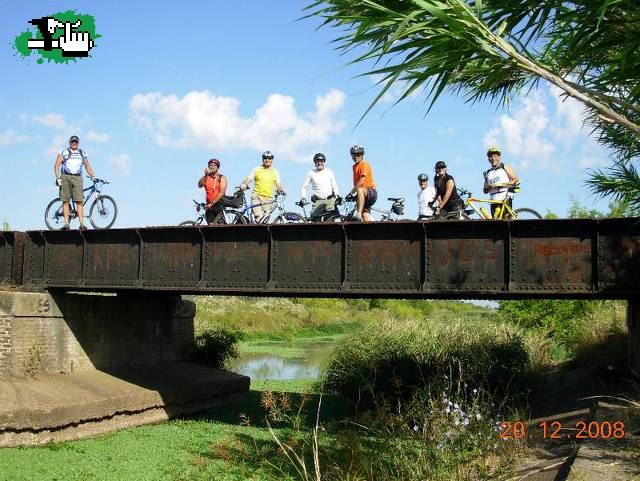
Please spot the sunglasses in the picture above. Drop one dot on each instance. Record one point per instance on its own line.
(268, 158)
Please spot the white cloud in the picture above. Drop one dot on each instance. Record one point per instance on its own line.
(522, 134)
(446, 131)
(546, 126)
(96, 137)
(52, 120)
(58, 142)
(203, 119)
(121, 162)
(10, 137)
(569, 117)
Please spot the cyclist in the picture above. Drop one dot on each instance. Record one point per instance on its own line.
(446, 192)
(324, 188)
(67, 170)
(266, 178)
(215, 186)
(499, 179)
(426, 197)
(364, 186)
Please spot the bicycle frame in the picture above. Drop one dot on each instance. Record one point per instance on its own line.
(247, 210)
(504, 204)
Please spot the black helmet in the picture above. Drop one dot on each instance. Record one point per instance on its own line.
(357, 149)
(423, 177)
(439, 164)
(493, 150)
(74, 138)
(319, 156)
(267, 154)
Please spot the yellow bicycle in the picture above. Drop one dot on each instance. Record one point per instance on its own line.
(502, 212)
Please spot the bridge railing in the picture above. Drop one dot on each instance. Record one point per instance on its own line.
(465, 259)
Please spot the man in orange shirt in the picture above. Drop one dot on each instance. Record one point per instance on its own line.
(215, 186)
(363, 185)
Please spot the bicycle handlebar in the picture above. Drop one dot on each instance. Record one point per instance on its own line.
(95, 180)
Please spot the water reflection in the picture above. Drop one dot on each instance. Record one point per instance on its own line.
(306, 364)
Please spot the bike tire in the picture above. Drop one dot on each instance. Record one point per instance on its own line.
(53, 217)
(241, 219)
(103, 209)
(187, 223)
(526, 213)
(289, 218)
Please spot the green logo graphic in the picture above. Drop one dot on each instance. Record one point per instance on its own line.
(60, 37)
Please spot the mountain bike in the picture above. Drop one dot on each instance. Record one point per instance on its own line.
(390, 215)
(102, 213)
(277, 215)
(503, 211)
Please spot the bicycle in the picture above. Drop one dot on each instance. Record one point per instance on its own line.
(391, 215)
(238, 212)
(103, 209)
(503, 212)
(333, 215)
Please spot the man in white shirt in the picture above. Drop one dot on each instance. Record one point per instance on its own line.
(68, 172)
(426, 197)
(324, 188)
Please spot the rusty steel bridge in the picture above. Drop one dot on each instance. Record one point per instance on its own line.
(561, 258)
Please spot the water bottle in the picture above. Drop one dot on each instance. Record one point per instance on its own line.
(485, 214)
(498, 213)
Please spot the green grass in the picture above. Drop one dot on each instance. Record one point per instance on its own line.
(286, 319)
(191, 448)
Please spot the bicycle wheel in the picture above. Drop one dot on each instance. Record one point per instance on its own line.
(240, 219)
(289, 218)
(53, 215)
(187, 223)
(103, 212)
(526, 213)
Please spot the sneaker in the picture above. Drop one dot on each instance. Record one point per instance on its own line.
(356, 216)
(65, 227)
(82, 227)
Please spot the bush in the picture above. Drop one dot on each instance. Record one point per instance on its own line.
(397, 359)
(214, 346)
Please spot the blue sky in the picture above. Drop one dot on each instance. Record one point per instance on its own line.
(171, 84)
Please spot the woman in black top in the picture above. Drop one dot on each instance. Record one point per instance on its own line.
(446, 191)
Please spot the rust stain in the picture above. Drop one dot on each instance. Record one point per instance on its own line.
(564, 248)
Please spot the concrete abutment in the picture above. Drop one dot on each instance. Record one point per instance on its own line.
(74, 365)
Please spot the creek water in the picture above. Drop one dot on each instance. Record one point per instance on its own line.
(272, 360)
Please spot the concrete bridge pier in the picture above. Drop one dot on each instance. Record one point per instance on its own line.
(75, 365)
(633, 323)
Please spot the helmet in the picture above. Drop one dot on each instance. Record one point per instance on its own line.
(267, 154)
(214, 161)
(74, 138)
(439, 164)
(423, 177)
(357, 149)
(493, 150)
(319, 156)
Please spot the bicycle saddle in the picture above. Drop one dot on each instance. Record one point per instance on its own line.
(396, 199)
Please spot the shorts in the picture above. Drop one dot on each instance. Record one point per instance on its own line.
(211, 214)
(453, 206)
(322, 206)
(264, 207)
(71, 187)
(370, 199)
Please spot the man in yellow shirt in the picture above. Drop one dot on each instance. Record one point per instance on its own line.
(266, 180)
